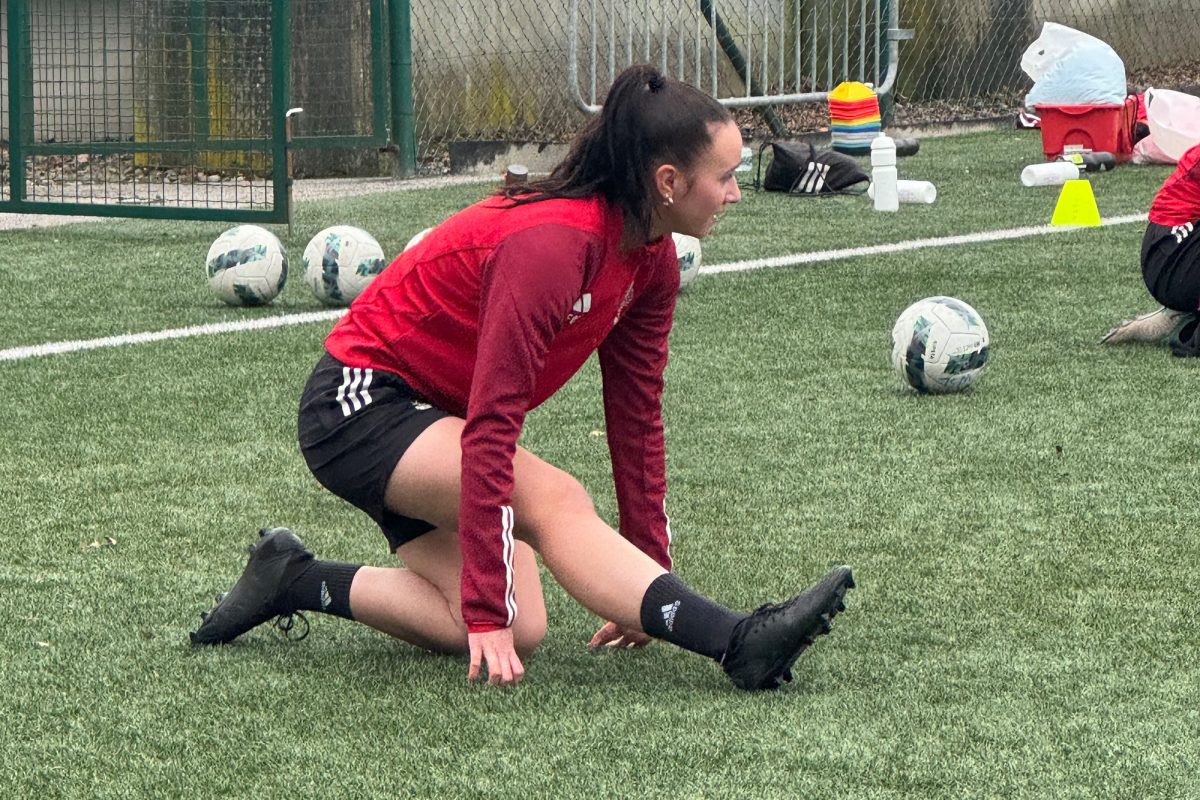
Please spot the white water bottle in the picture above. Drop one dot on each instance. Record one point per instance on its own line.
(883, 173)
(747, 162)
(1051, 173)
(911, 191)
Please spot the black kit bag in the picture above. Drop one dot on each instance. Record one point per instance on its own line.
(798, 168)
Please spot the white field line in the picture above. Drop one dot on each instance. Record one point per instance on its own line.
(902, 247)
(263, 323)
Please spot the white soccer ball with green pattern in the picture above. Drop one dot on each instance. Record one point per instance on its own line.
(939, 345)
(246, 266)
(416, 239)
(341, 261)
(687, 250)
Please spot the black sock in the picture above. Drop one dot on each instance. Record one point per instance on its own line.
(322, 586)
(676, 614)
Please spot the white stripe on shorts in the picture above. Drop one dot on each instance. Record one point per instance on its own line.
(352, 396)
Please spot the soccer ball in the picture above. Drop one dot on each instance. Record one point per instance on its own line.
(246, 266)
(416, 239)
(339, 262)
(687, 248)
(939, 345)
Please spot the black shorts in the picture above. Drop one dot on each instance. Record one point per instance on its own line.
(1171, 265)
(354, 426)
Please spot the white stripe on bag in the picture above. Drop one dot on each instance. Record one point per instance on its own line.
(813, 179)
(350, 389)
(506, 535)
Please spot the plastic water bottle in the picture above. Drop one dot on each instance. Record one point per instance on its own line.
(747, 162)
(1097, 161)
(1051, 173)
(883, 173)
(911, 191)
(515, 174)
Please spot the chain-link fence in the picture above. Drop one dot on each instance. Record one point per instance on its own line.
(143, 108)
(495, 69)
(176, 107)
(965, 58)
(338, 70)
(487, 70)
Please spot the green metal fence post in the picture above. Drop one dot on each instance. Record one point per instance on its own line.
(379, 100)
(19, 125)
(281, 59)
(404, 132)
(887, 103)
(198, 42)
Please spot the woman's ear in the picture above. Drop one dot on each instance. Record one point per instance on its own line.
(667, 181)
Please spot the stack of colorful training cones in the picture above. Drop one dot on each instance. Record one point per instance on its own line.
(853, 117)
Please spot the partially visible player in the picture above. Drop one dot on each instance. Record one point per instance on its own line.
(414, 413)
(1171, 264)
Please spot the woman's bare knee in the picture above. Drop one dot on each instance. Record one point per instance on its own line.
(529, 628)
(528, 632)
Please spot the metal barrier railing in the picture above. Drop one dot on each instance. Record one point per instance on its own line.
(746, 54)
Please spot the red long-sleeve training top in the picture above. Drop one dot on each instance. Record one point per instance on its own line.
(1178, 201)
(489, 315)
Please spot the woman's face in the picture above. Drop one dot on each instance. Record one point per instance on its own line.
(698, 194)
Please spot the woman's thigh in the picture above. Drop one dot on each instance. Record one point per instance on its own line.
(427, 484)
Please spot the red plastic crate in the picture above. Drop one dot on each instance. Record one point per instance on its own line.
(1101, 128)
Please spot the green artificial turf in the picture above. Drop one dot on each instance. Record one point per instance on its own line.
(1027, 551)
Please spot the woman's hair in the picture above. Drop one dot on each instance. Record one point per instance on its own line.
(647, 120)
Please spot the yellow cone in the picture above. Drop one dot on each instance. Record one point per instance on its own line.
(1076, 205)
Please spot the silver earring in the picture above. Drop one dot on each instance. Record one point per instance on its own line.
(668, 200)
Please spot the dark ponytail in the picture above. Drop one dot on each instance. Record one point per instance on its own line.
(647, 120)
